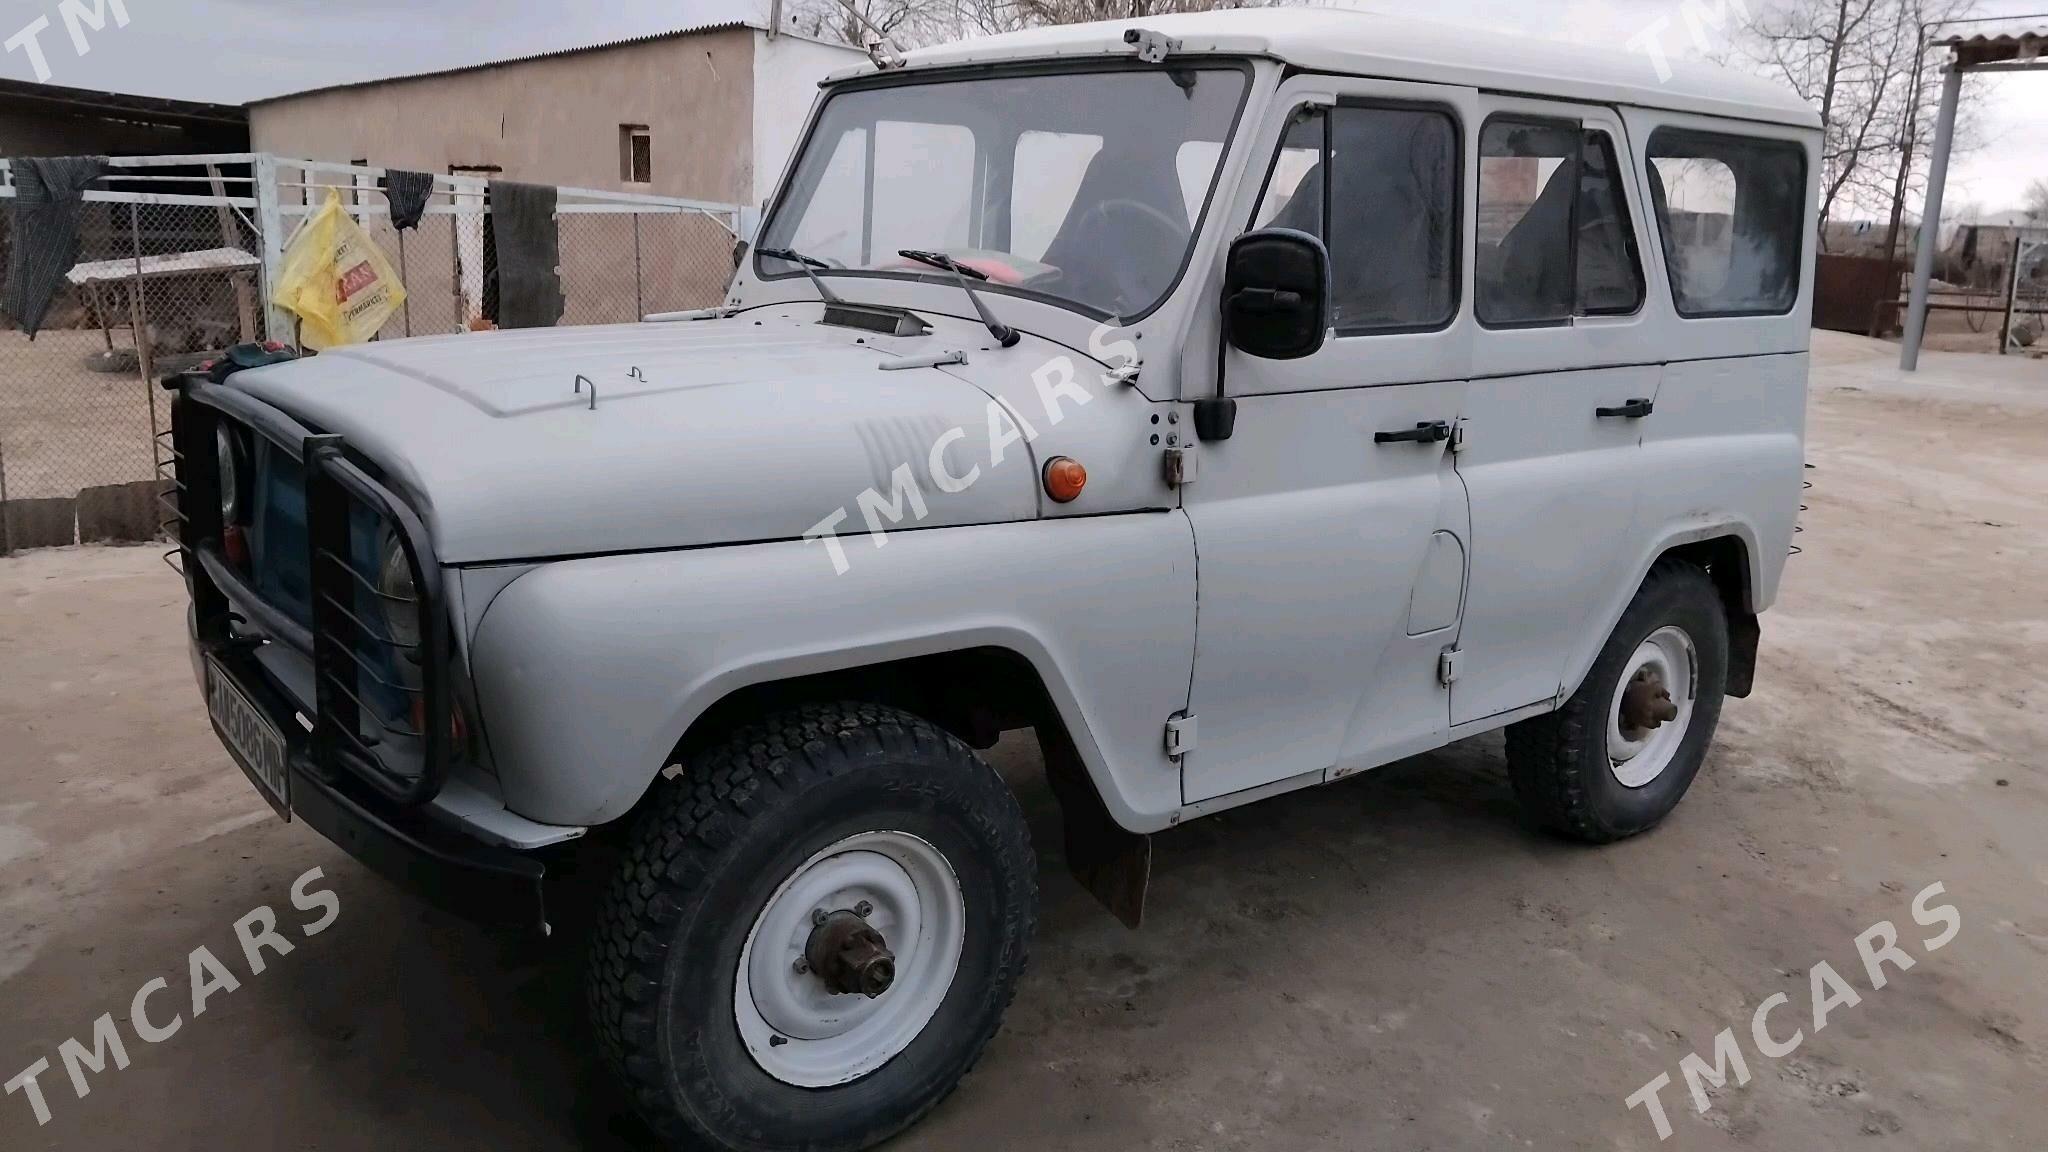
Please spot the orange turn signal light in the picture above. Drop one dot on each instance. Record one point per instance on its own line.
(1064, 479)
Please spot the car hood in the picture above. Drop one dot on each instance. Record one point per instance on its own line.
(702, 432)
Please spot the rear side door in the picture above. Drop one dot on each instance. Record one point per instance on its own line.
(1564, 380)
(1331, 561)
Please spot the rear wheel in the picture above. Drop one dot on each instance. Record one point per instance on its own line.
(815, 934)
(1621, 753)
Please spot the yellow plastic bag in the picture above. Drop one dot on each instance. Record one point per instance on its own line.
(336, 280)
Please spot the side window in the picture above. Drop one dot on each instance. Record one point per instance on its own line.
(1610, 269)
(1555, 239)
(1528, 172)
(1730, 210)
(1379, 185)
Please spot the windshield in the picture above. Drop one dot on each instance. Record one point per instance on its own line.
(1087, 187)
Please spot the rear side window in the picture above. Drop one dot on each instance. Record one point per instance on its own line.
(1379, 185)
(1730, 210)
(1555, 237)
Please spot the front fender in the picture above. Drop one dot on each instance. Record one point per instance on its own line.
(588, 672)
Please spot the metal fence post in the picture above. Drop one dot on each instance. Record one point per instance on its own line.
(277, 323)
(138, 319)
(639, 294)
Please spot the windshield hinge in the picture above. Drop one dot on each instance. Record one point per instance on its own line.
(1449, 663)
(1180, 735)
(1152, 47)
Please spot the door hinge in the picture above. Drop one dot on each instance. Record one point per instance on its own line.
(1457, 436)
(1448, 664)
(1180, 465)
(1180, 735)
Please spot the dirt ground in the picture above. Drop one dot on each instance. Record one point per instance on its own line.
(1394, 962)
(64, 426)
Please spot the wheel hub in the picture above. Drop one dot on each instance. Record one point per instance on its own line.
(1646, 703)
(849, 955)
(849, 959)
(1652, 707)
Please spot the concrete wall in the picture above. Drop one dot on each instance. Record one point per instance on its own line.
(787, 70)
(549, 121)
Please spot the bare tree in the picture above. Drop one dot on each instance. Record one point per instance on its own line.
(2037, 203)
(1863, 64)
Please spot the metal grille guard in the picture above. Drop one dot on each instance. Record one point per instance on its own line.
(404, 758)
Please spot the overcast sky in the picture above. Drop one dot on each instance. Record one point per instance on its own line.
(231, 51)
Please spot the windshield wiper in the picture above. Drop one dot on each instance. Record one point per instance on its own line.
(1004, 334)
(809, 264)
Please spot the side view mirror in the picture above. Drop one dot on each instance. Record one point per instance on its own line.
(1276, 294)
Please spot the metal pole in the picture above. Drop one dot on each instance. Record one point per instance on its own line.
(277, 322)
(144, 346)
(639, 293)
(2012, 291)
(401, 282)
(1930, 217)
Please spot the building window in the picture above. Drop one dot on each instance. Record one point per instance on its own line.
(636, 154)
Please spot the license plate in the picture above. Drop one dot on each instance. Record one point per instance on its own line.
(255, 742)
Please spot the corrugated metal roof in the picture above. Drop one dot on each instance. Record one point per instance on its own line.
(729, 14)
(2026, 42)
(2010, 36)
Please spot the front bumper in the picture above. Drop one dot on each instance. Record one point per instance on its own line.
(362, 775)
(452, 871)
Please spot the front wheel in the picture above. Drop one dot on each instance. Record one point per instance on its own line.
(815, 934)
(1620, 754)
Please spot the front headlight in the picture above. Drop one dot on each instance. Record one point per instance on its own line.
(400, 598)
(228, 451)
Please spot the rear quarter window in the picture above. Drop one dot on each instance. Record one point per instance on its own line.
(1731, 211)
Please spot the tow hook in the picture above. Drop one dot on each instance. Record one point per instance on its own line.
(849, 955)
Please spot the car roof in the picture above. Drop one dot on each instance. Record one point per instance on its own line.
(1396, 48)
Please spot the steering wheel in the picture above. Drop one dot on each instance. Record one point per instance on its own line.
(1127, 276)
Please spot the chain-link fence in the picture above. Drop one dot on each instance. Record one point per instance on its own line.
(173, 266)
(622, 256)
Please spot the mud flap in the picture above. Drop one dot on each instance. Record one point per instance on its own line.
(1113, 864)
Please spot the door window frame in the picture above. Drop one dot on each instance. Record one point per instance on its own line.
(1577, 127)
(1618, 178)
(1456, 228)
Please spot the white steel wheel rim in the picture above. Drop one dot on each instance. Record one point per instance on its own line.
(1638, 756)
(802, 1033)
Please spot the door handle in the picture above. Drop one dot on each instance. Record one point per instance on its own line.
(1635, 409)
(1427, 432)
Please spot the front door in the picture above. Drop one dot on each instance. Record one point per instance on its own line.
(1562, 388)
(1331, 565)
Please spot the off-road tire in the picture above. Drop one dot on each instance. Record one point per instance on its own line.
(710, 848)
(1559, 762)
